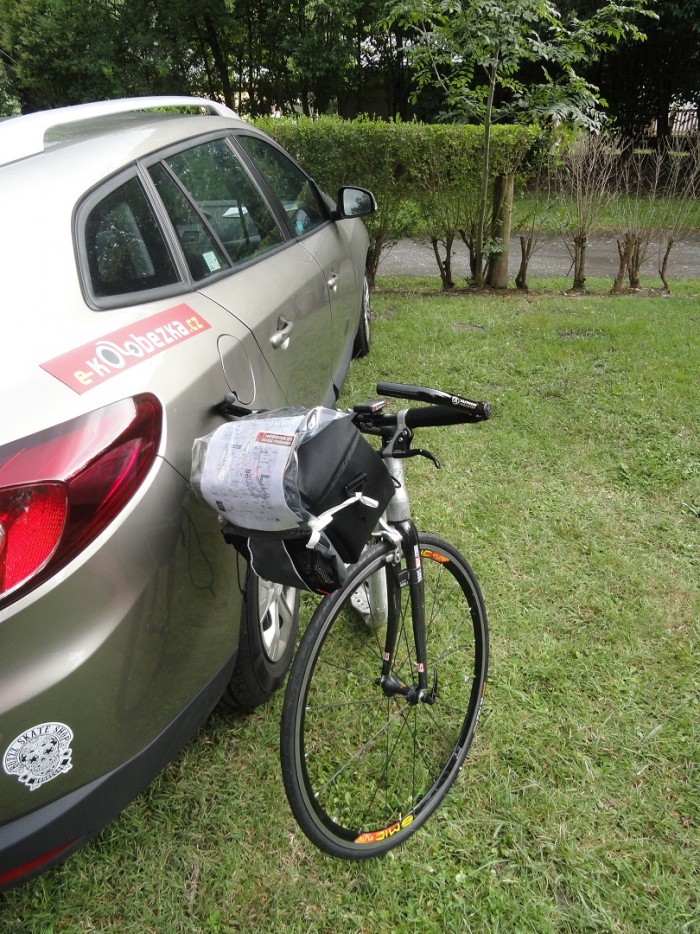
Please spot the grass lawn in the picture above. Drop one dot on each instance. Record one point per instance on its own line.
(578, 810)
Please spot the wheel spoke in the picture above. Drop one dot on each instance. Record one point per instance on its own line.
(383, 776)
(339, 728)
(360, 752)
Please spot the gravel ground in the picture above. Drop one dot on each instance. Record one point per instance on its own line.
(410, 258)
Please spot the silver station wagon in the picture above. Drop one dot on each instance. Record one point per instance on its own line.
(163, 265)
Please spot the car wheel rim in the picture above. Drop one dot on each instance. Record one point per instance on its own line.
(276, 615)
(366, 310)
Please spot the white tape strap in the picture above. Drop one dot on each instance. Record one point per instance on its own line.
(318, 523)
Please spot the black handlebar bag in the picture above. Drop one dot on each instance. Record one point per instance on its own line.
(299, 492)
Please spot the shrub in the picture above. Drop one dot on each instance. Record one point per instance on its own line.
(408, 166)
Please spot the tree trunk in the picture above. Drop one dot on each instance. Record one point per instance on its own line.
(484, 185)
(580, 244)
(526, 246)
(624, 249)
(663, 265)
(503, 217)
(663, 106)
(373, 256)
(444, 265)
(219, 60)
(636, 258)
(468, 241)
(305, 102)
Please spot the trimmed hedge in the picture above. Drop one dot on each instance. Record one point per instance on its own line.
(423, 176)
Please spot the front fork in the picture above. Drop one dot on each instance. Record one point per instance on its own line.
(406, 574)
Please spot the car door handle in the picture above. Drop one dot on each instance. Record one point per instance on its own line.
(333, 283)
(280, 339)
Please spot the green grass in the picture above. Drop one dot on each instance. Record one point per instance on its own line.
(655, 210)
(578, 505)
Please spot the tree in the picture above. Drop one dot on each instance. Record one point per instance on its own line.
(383, 65)
(297, 54)
(9, 104)
(539, 177)
(477, 52)
(59, 52)
(680, 190)
(639, 179)
(643, 83)
(585, 174)
(442, 188)
(320, 50)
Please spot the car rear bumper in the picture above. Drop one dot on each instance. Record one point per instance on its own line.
(37, 840)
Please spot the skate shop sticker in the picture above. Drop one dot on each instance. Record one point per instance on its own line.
(39, 754)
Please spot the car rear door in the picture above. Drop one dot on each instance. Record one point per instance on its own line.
(284, 301)
(240, 255)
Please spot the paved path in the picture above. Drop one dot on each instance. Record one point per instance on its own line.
(409, 258)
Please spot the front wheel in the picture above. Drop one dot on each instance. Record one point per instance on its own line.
(362, 770)
(363, 338)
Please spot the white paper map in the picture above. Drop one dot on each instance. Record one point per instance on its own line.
(243, 472)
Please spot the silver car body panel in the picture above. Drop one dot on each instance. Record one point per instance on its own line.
(115, 643)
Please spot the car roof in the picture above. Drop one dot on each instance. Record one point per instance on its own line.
(50, 160)
(35, 133)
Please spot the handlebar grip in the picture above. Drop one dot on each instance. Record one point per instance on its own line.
(432, 416)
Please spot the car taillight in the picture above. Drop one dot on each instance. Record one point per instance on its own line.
(61, 487)
(31, 522)
(25, 870)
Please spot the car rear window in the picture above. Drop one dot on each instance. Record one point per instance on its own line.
(125, 247)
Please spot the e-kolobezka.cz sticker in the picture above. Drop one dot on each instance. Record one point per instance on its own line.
(40, 754)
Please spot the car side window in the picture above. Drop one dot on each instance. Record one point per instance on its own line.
(125, 247)
(227, 201)
(300, 200)
(203, 254)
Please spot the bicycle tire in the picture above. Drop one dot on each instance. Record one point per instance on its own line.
(362, 771)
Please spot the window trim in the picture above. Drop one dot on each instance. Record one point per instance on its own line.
(256, 182)
(139, 170)
(82, 212)
(174, 178)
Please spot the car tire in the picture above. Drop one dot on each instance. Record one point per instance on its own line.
(269, 620)
(364, 330)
